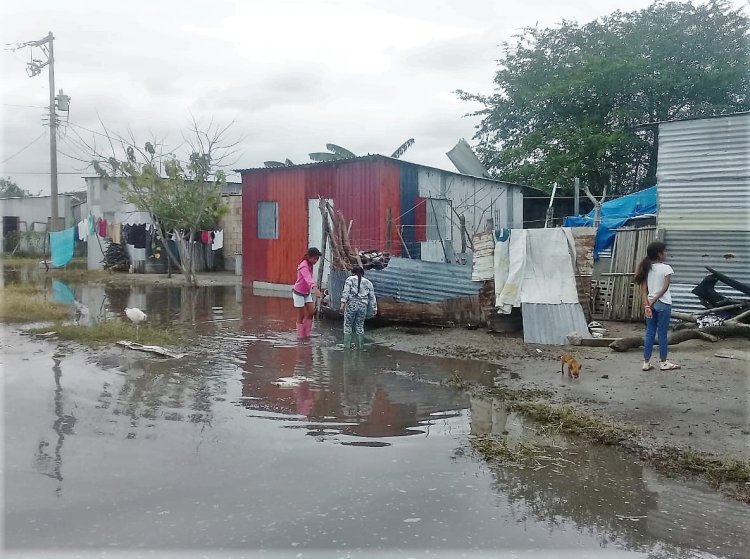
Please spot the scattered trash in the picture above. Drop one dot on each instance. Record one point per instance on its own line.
(596, 329)
(290, 382)
(158, 350)
(733, 354)
(708, 320)
(574, 338)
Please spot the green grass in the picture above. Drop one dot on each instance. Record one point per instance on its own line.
(113, 331)
(26, 303)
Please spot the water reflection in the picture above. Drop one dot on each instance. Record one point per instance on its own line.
(226, 390)
(597, 486)
(48, 464)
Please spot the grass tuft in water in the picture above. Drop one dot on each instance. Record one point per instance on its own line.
(113, 331)
(571, 420)
(27, 303)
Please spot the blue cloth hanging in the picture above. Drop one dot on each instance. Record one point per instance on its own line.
(61, 246)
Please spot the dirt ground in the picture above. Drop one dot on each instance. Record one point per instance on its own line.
(704, 405)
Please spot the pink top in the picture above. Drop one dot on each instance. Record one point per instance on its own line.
(305, 283)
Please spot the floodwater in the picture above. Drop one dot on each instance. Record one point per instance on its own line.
(115, 453)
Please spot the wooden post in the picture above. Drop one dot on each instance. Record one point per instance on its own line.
(324, 246)
(403, 243)
(388, 230)
(462, 221)
(576, 196)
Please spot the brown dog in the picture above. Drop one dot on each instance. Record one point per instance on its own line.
(574, 367)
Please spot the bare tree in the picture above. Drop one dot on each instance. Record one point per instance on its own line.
(181, 194)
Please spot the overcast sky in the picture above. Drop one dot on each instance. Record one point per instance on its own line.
(293, 74)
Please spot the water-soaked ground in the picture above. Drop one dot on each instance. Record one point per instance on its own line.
(112, 450)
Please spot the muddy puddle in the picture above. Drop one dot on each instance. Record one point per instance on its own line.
(255, 443)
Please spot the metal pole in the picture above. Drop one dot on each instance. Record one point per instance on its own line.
(576, 196)
(52, 137)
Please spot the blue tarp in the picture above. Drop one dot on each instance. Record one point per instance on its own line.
(62, 244)
(614, 214)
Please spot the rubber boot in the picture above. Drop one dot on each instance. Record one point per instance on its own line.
(347, 342)
(360, 341)
(308, 327)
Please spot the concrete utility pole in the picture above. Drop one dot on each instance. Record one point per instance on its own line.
(34, 68)
(54, 210)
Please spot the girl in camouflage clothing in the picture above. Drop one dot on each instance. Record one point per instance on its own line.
(357, 295)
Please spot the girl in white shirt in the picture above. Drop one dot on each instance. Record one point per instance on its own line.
(654, 276)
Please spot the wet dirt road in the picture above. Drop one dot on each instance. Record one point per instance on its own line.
(360, 454)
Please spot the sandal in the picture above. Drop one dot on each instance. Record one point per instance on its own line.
(647, 367)
(667, 366)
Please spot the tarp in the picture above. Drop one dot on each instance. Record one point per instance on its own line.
(614, 214)
(61, 246)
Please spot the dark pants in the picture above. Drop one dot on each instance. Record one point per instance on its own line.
(658, 324)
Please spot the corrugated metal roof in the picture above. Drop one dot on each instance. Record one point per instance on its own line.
(484, 257)
(724, 251)
(704, 201)
(704, 174)
(375, 157)
(550, 324)
(683, 299)
(705, 205)
(413, 281)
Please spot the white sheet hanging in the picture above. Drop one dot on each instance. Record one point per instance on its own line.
(540, 270)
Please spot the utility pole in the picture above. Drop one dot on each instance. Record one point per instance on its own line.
(34, 68)
(54, 210)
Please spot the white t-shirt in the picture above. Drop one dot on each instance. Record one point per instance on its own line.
(659, 271)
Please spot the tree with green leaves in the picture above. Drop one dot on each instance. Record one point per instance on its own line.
(9, 189)
(183, 196)
(570, 101)
(337, 153)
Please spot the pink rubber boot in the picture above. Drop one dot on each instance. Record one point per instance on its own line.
(308, 327)
(301, 330)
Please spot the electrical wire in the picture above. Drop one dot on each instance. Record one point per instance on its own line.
(27, 146)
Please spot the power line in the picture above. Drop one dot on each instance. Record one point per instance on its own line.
(24, 106)
(27, 146)
(40, 172)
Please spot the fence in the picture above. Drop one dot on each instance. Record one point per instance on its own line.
(616, 296)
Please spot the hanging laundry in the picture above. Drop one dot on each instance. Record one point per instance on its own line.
(90, 219)
(101, 227)
(205, 237)
(83, 230)
(116, 233)
(218, 240)
(138, 237)
(61, 246)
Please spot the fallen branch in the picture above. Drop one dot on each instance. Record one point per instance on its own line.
(712, 334)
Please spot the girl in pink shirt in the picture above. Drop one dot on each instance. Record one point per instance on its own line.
(303, 291)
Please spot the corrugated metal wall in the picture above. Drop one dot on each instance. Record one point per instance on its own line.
(704, 200)
(363, 190)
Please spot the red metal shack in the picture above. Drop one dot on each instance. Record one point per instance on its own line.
(428, 208)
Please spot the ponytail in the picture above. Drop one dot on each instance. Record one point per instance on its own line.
(653, 251)
(359, 272)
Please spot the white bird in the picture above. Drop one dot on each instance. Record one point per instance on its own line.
(136, 316)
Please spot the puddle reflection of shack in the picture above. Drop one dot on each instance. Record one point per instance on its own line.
(697, 517)
(597, 486)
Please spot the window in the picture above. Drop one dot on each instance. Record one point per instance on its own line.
(439, 223)
(268, 220)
